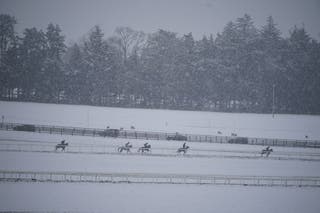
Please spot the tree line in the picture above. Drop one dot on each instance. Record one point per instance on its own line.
(241, 69)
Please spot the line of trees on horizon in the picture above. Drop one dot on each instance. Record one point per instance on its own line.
(235, 71)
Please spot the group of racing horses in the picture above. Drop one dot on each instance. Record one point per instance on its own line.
(147, 148)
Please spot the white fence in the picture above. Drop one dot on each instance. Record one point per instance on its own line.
(147, 135)
(159, 178)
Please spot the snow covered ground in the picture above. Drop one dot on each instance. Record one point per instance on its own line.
(154, 198)
(136, 198)
(244, 124)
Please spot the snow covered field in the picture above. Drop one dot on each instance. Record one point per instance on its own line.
(108, 197)
(253, 125)
(146, 198)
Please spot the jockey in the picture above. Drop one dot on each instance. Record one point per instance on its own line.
(146, 145)
(184, 145)
(127, 144)
(63, 142)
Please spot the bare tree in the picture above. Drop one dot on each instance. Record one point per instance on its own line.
(128, 41)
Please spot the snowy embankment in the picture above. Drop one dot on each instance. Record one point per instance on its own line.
(191, 122)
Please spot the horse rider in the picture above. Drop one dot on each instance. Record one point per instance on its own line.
(63, 142)
(184, 145)
(146, 145)
(127, 144)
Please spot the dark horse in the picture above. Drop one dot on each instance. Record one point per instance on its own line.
(266, 151)
(62, 146)
(183, 149)
(125, 148)
(145, 148)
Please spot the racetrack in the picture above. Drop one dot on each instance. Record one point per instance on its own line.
(222, 152)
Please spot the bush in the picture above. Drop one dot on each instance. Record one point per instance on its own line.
(238, 140)
(110, 133)
(26, 127)
(177, 137)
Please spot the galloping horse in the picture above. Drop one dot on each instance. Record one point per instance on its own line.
(183, 149)
(125, 148)
(266, 151)
(144, 148)
(62, 146)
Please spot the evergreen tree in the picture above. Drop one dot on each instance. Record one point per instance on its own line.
(185, 87)
(271, 65)
(227, 47)
(8, 46)
(33, 54)
(205, 74)
(52, 73)
(299, 72)
(10, 72)
(75, 75)
(158, 59)
(101, 66)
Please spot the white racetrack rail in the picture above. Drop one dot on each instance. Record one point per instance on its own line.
(44, 176)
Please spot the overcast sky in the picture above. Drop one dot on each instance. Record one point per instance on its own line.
(77, 17)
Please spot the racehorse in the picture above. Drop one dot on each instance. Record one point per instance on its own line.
(266, 151)
(183, 149)
(144, 148)
(62, 146)
(125, 148)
